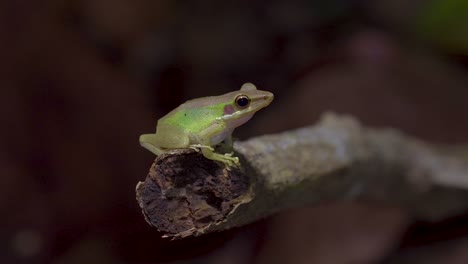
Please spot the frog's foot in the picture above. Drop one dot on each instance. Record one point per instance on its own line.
(227, 158)
(198, 147)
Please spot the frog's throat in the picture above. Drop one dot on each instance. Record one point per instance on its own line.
(234, 121)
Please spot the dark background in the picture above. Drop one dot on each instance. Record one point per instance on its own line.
(82, 79)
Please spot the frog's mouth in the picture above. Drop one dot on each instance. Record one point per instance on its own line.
(259, 101)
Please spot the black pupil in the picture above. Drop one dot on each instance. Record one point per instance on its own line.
(242, 101)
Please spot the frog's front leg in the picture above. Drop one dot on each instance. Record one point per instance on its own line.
(210, 153)
(224, 158)
(205, 140)
(227, 145)
(229, 142)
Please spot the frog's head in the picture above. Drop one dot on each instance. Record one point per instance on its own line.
(243, 104)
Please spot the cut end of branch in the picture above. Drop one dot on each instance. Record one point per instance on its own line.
(185, 193)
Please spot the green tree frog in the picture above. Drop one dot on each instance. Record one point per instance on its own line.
(203, 123)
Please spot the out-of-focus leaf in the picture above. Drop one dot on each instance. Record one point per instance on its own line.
(446, 23)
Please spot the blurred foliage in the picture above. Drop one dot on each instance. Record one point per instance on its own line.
(446, 23)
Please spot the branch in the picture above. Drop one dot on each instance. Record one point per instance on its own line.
(185, 194)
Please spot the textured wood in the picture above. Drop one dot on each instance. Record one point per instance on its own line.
(337, 159)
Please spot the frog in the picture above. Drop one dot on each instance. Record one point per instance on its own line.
(207, 122)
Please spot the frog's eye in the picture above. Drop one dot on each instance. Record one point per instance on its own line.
(242, 101)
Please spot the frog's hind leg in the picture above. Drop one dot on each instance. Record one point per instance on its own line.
(167, 137)
(148, 141)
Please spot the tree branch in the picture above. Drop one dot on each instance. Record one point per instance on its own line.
(337, 159)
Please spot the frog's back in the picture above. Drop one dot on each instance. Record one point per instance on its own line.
(193, 116)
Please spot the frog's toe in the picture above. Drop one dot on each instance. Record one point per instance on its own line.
(199, 147)
(229, 154)
(229, 163)
(195, 148)
(232, 161)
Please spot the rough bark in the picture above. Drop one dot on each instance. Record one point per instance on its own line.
(185, 194)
